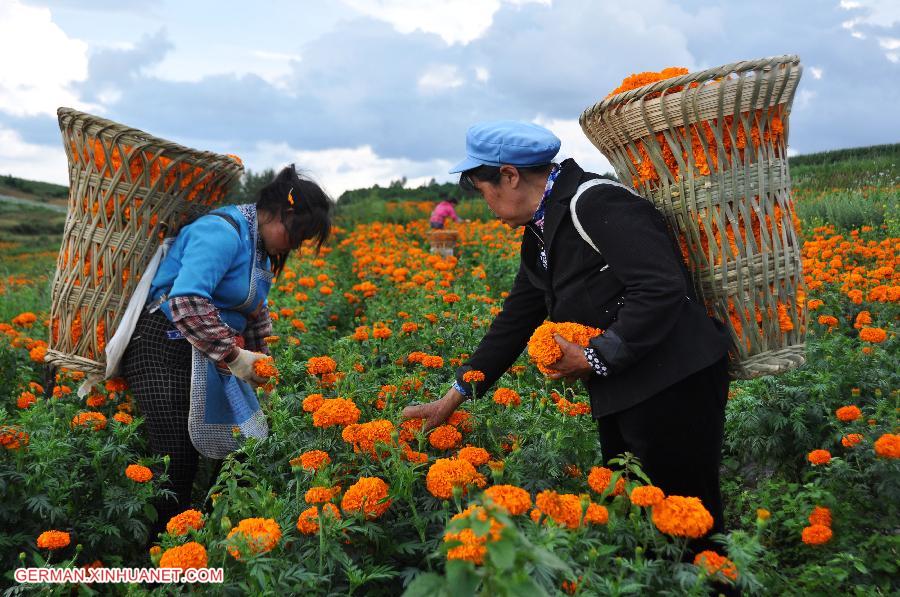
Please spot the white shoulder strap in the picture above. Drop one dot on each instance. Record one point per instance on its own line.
(574, 202)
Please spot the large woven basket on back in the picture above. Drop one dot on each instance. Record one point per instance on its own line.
(709, 150)
(127, 191)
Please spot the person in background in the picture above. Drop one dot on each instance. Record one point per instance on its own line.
(442, 211)
(190, 359)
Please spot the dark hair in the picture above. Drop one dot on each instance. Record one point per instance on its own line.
(491, 174)
(309, 218)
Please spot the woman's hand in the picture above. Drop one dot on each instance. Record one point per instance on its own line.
(242, 367)
(573, 364)
(437, 412)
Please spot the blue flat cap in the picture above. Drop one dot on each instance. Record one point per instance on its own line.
(508, 142)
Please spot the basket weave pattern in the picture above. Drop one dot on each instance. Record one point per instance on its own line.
(709, 150)
(127, 191)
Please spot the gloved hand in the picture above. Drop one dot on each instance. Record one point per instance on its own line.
(242, 367)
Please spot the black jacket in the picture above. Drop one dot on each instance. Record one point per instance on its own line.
(656, 332)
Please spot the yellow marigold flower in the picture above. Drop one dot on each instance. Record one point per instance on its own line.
(187, 556)
(820, 515)
(563, 508)
(308, 521)
(514, 500)
(321, 495)
(646, 495)
(336, 411)
(542, 346)
(53, 540)
(94, 420)
(507, 397)
(260, 534)
(873, 335)
(138, 473)
(713, 563)
(848, 413)
(599, 479)
(367, 496)
(473, 376)
(816, 534)
(312, 460)
(180, 524)
(817, 457)
(445, 437)
(447, 473)
(888, 446)
(596, 514)
(682, 517)
(477, 456)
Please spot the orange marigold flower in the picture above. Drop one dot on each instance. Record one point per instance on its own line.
(820, 515)
(368, 496)
(563, 508)
(473, 376)
(873, 335)
(364, 436)
(265, 367)
(828, 320)
(53, 540)
(451, 298)
(473, 546)
(308, 521)
(13, 438)
(477, 456)
(25, 400)
(514, 500)
(462, 420)
(321, 495)
(848, 413)
(96, 421)
(599, 478)
(432, 361)
(123, 418)
(646, 495)
(187, 556)
(409, 428)
(888, 446)
(180, 524)
(313, 460)
(542, 346)
(321, 365)
(851, 439)
(507, 397)
(682, 517)
(817, 457)
(409, 327)
(312, 402)
(445, 437)
(713, 563)
(138, 473)
(447, 473)
(116, 384)
(260, 534)
(816, 534)
(596, 514)
(336, 411)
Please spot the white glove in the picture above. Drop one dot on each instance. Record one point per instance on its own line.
(242, 367)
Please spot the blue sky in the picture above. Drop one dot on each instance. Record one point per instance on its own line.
(358, 92)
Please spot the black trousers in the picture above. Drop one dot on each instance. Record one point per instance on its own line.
(677, 434)
(158, 371)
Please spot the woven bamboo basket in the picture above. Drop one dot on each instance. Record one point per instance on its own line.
(443, 242)
(709, 149)
(127, 191)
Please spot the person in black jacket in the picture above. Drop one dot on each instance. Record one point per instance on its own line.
(658, 375)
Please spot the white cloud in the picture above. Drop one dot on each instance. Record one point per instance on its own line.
(482, 74)
(455, 21)
(816, 72)
(576, 145)
(439, 78)
(40, 62)
(35, 162)
(338, 170)
(889, 43)
(880, 13)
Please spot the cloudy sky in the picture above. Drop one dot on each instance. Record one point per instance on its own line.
(358, 92)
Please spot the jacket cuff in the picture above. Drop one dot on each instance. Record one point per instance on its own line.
(612, 350)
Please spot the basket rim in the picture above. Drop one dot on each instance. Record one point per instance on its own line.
(120, 129)
(698, 76)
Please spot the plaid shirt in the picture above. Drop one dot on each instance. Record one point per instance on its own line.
(198, 321)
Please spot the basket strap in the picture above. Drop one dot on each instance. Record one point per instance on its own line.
(228, 219)
(574, 202)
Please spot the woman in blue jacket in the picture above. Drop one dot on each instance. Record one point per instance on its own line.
(190, 360)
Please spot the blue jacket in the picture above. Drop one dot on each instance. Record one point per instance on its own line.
(211, 260)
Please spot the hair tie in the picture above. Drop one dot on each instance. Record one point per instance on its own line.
(291, 196)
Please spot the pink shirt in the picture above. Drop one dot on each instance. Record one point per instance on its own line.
(442, 211)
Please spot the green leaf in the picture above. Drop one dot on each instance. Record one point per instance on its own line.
(463, 579)
(502, 554)
(427, 584)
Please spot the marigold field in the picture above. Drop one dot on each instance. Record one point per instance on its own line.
(509, 497)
